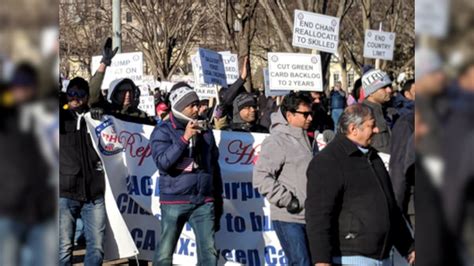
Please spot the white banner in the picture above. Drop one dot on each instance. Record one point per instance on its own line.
(212, 68)
(246, 235)
(126, 65)
(316, 31)
(298, 72)
(379, 44)
(268, 91)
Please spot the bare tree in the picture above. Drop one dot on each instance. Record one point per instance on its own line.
(82, 27)
(165, 31)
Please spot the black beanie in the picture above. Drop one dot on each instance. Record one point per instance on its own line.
(244, 100)
(78, 83)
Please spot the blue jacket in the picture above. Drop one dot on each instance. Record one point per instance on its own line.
(338, 100)
(170, 151)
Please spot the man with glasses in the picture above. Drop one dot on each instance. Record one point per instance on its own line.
(81, 181)
(377, 88)
(280, 174)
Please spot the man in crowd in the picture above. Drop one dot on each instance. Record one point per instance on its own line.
(81, 179)
(27, 208)
(377, 88)
(351, 213)
(338, 101)
(123, 95)
(190, 183)
(244, 118)
(401, 174)
(280, 176)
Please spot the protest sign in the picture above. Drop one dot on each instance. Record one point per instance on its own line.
(432, 17)
(379, 44)
(298, 72)
(212, 68)
(204, 91)
(316, 31)
(268, 91)
(231, 65)
(147, 104)
(126, 65)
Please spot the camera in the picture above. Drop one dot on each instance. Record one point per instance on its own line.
(202, 124)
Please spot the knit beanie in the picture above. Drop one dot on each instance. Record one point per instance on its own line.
(244, 100)
(374, 80)
(181, 96)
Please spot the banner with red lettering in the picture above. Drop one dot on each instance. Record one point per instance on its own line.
(246, 235)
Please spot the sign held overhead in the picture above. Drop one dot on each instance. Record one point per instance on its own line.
(316, 31)
(298, 72)
(126, 65)
(268, 91)
(379, 44)
(212, 67)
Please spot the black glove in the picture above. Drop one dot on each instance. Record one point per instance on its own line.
(294, 206)
(97, 113)
(108, 53)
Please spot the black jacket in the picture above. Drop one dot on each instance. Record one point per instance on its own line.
(27, 193)
(403, 179)
(350, 208)
(80, 174)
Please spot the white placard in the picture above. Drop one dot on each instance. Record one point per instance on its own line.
(298, 72)
(147, 105)
(204, 91)
(268, 91)
(212, 68)
(432, 17)
(231, 65)
(379, 44)
(126, 65)
(316, 31)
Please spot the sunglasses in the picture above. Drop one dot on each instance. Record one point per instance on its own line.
(305, 114)
(78, 94)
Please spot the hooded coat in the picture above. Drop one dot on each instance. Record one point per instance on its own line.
(281, 168)
(115, 107)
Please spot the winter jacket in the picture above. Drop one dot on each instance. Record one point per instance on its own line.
(81, 172)
(27, 193)
(350, 208)
(180, 181)
(338, 100)
(111, 107)
(281, 168)
(381, 140)
(239, 125)
(402, 179)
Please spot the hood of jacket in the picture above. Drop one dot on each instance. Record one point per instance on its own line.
(113, 89)
(279, 124)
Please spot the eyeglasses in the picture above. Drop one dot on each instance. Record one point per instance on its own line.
(305, 114)
(78, 94)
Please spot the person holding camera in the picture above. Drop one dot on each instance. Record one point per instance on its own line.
(186, 155)
(280, 174)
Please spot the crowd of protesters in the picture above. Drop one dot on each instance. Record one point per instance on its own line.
(339, 205)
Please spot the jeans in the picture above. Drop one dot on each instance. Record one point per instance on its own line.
(335, 115)
(201, 220)
(94, 218)
(27, 244)
(294, 242)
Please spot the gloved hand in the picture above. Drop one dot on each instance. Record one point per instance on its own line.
(294, 206)
(97, 113)
(108, 53)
